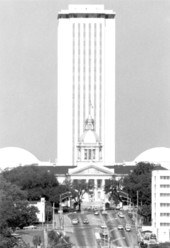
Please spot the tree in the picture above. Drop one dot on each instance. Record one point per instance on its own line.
(140, 181)
(57, 240)
(35, 180)
(112, 188)
(56, 193)
(78, 189)
(14, 211)
(6, 239)
(48, 212)
(22, 214)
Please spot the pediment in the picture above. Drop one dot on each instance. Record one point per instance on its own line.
(91, 170)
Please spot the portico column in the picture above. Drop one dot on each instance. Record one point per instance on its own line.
(95, 189)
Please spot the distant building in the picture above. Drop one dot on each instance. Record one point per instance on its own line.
(161, 204)
(41, 208)
(156, 155)
(11, 157)
(86, 86)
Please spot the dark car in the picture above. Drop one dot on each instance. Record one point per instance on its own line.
(153, 236)
(85, 221)
(104, 231)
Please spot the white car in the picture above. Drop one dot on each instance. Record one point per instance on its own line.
(128, 227)
(75, 221)
(120, 227)
(96, 213)
(104, 212)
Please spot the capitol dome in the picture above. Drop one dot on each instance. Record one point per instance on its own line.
(13, 156)
(157, 155)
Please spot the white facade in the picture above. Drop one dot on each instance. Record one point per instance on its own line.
(161, 204)
(86, 85)
(41, 208)
(97, 176)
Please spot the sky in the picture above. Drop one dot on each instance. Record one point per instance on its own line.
(28, 75)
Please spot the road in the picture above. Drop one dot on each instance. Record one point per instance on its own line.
(83, 235)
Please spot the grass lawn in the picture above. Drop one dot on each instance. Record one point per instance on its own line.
(27, 235)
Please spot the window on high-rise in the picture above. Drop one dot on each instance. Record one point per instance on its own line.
(165, 186)
(164, 177)
(164, 204)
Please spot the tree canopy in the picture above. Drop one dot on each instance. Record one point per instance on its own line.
(112, 188)
(138, 186)
(139, 180)
(35, 180)
(58, 240)
(15, 211)
(78, 189)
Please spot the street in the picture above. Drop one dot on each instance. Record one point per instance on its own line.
(84, 235)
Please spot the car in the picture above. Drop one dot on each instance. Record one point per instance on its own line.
(128, 227)
(153, 236)
(75, 221)
(153, 243)
(103, 227)
(104, 231)
(121, 215)
(16, 235)
(120, 227)
(85, 221)
(104, 212)
(96, 213)
(29, 227)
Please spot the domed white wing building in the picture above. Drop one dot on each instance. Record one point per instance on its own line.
(157, 155)
(11, 157)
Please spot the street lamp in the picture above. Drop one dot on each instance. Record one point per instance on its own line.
(127, 195)
(63, 196)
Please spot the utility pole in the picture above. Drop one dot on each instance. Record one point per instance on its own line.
(53, 215)
(45, 238)
(137, 208)
(137, 198)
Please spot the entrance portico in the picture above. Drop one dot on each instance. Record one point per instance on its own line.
(94, 175)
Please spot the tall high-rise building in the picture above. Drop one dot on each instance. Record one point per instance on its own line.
(86, 85)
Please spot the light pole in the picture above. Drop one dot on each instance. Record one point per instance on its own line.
(126, 194)
(62, 197)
